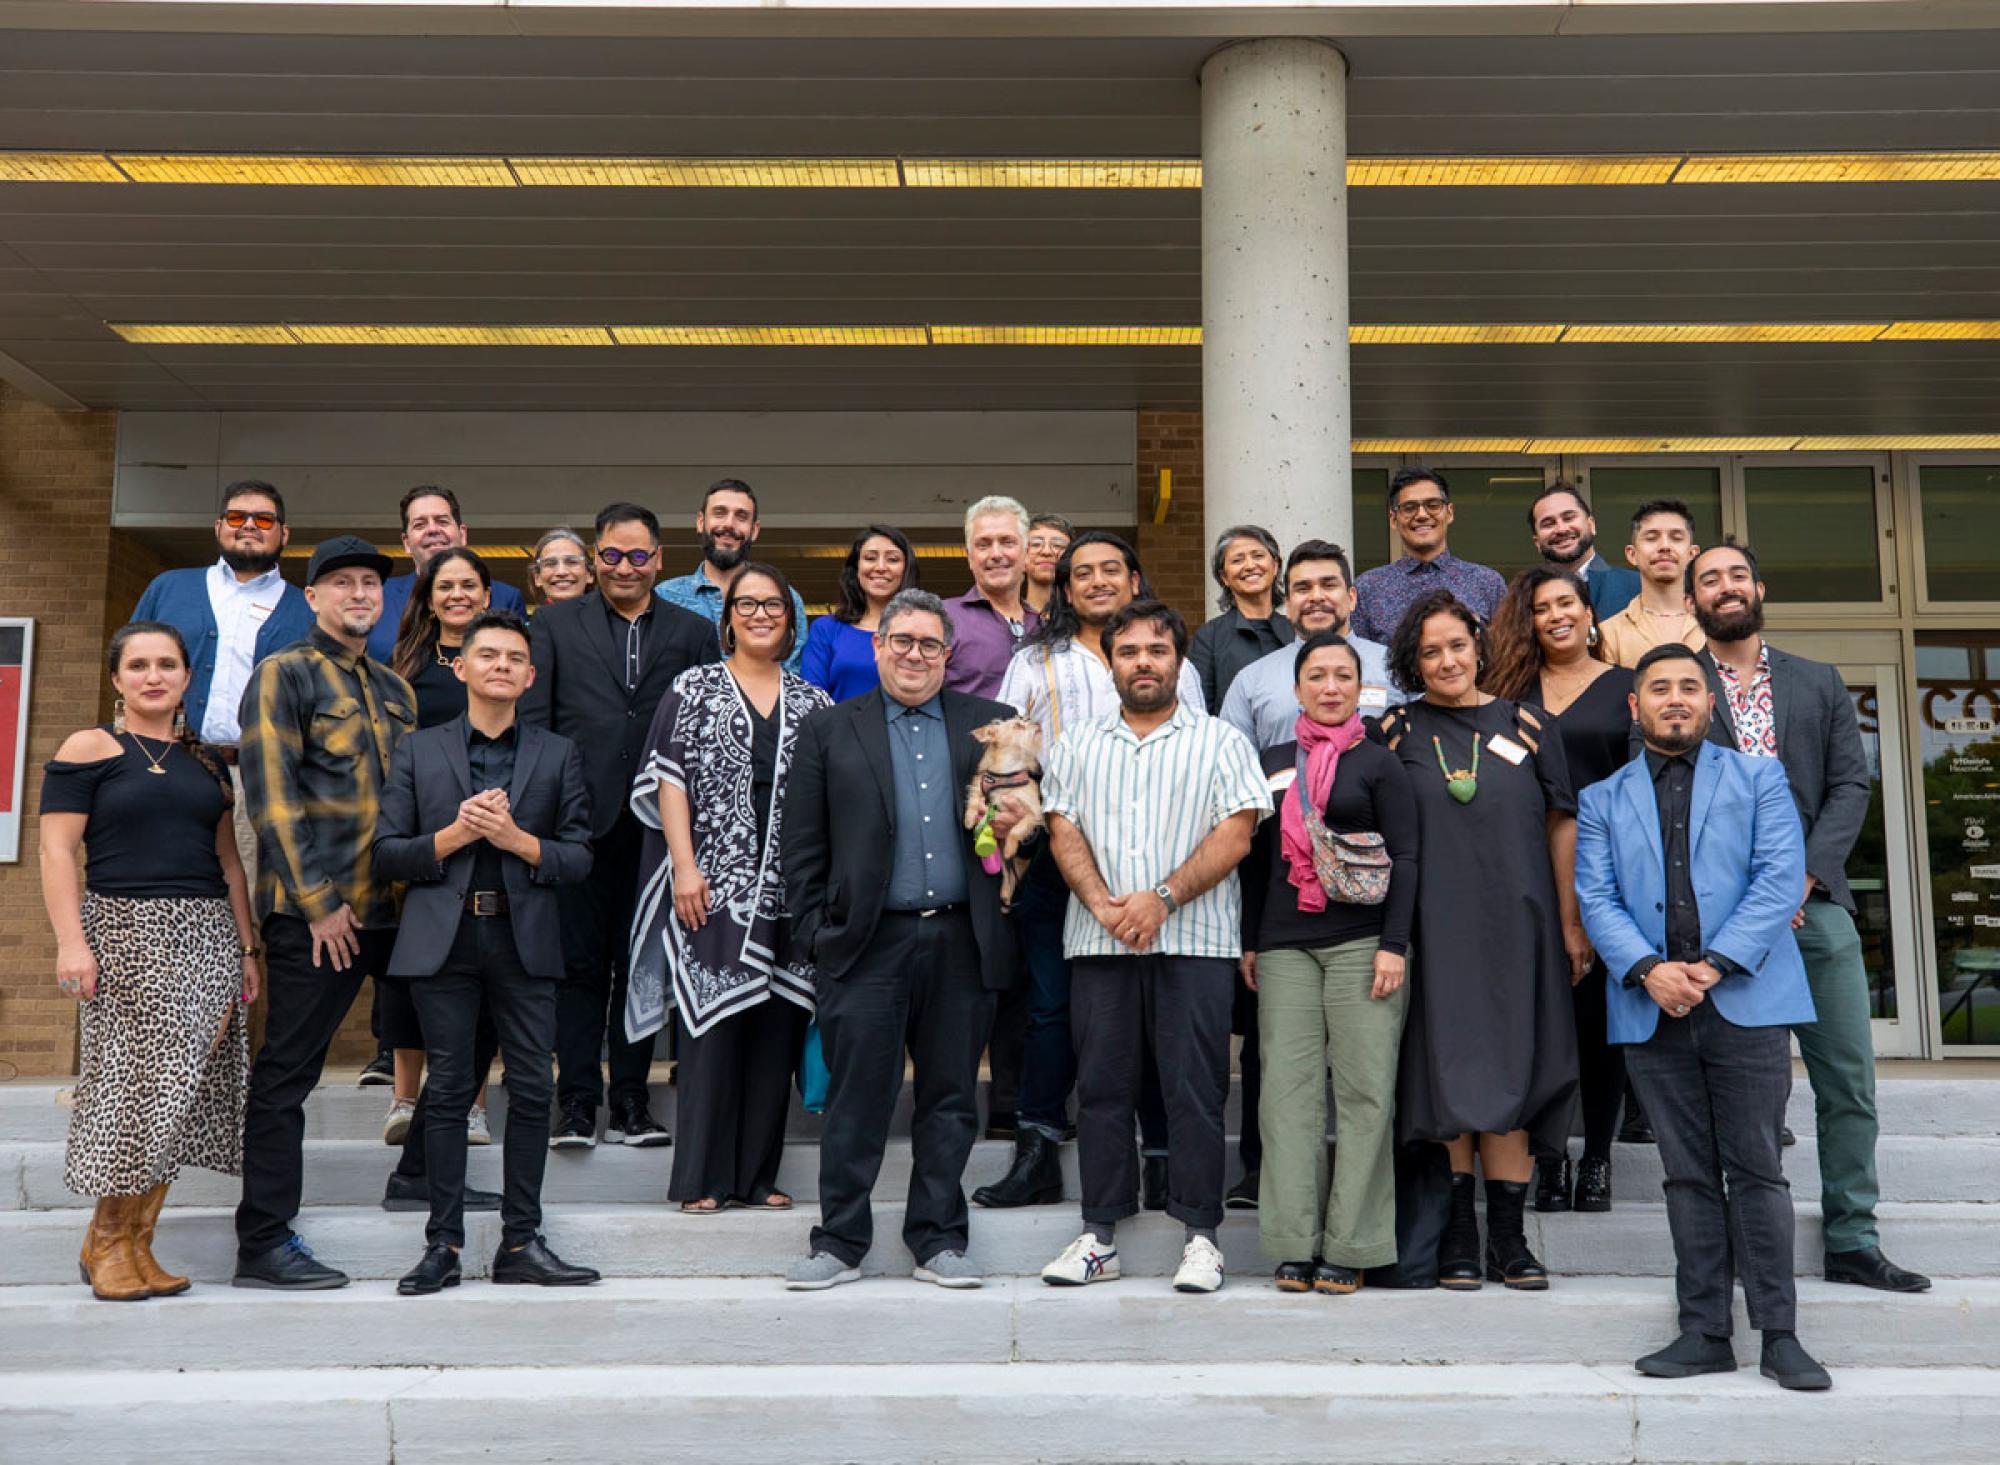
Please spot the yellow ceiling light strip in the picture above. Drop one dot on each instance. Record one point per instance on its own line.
(1066, 335)
(1576, 172)
(769, 335)
(58, 168)
(206, 335)
(1936, 167)
(1440, 445)
(1943, 330)
(706, 172)
(278, 171)
(1464, 335)
(397, 335)
(1901, 442)
(1737, 333)
(1052, 172)
(1551, 445)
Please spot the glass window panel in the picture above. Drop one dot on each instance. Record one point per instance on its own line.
(1814, 531)
(1961, 530)
(1615, 492)
(1490, 514)
(1868, 866)
(1958, 722)
(1371, 520)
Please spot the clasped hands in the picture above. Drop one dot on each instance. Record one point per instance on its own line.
(487, 815)
(1133, 920)
(1679, 986)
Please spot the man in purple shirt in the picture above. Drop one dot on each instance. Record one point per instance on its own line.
(989, 620)
(1420, 512)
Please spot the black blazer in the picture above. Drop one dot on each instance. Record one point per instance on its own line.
(579, 689)
(840, 832)
(1819, 742)
(1224, 646)
(429, 776)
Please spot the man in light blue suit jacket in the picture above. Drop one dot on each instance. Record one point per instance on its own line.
(1689, 864)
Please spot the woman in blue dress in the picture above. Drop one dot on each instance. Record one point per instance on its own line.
(840, 648)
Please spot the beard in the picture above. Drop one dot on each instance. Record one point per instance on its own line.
(724, 556)
(1576, 553)
(1674, 739)
(1140, 699)
(356, 626)
(1731, 625)
(243, 562)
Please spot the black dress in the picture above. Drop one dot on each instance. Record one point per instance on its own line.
(1490, 1045)
(1596, 728)
(440, 694)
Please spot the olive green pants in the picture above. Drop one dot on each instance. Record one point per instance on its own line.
(1314, 1013)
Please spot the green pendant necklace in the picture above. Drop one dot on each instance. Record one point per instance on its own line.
(1461, 783)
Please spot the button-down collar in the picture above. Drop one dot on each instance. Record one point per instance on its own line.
(334, 649)
(892, 709)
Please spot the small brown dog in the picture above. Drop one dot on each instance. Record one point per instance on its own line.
(1010, 769)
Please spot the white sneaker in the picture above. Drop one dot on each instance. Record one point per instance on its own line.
(1083, 1261)
(1201, 1267)
(476, 1132)
(396, 1123)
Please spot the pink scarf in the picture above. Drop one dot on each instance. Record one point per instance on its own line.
(1322, 746)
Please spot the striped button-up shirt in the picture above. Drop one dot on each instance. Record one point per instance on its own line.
(1060, 687)
(319, 724)
(1144, 805)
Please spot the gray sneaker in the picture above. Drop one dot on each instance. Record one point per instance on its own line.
(818, 1272)
(951, 1269)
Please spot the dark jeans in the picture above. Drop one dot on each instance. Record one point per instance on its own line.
(1004, 1049)
(917, 984)
(306, 1004)
(590, 1004)
(1716, 1095)
(412, 1164)
(1178, 1007)
(484, 969)
(1600, 1064)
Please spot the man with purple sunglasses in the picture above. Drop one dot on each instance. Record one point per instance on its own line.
(602, 663)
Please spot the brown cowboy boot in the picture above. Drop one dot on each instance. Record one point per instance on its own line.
(107, 1262)
(146, 1216)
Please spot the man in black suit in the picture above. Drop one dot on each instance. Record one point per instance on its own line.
(1771, 704)
(484, 817)
(602, 663)
(905, 928)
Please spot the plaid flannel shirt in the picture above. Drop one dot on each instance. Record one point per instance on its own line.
(319, 725)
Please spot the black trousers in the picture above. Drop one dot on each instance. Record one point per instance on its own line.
(918, 985)
(412, 1163)
(590, 1006)
(1600, 1088)
(1716, 1095)
(1249, 1064)
(732, 1095)
(484, 970)
(1006, 1047)
(1177, 1006)
(306, 1004)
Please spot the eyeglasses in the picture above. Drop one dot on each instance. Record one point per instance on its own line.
(261, 518)
(903, 643)
(1413, 508)
(560, 562)
(638, 558)
(1039, 543)
(749, 605)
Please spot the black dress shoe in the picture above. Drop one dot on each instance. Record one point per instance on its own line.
(1688, 1356)
(576, 1126)
(437, 1271)
(1786, 1139)
(1593, 1184)
(1789, 1363)
(1034, 1179)
(1153, 1182)
(1243, 1194)
(287, 1267)
(1552, 1183)
(536, 1266)
(1869, 1268)
(1293, 1277)
(632, 1123)
(413, 1193)
(1334, 1280)
(1001, 1124)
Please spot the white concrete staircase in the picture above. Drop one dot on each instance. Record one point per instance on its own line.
(692, 1351)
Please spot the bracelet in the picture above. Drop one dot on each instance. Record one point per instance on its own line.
(251, 951)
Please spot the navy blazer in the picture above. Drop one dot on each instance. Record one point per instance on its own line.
(429, 777)
(180, 599)
(1749, 858)
(1611, 588)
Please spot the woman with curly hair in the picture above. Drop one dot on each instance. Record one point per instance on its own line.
(1489, 1049)
(1546, 656)
(840, 649)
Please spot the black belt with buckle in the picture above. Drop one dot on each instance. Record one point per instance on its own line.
(486, 903)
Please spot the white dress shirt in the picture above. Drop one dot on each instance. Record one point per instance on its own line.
(1061, 687)
(241, 607)
(1263, 701)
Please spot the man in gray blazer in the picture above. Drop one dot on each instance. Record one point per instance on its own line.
(1771, 704)
(484, 816)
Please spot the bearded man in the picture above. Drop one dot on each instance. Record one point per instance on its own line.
(728, 526)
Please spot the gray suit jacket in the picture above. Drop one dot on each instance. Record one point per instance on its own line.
(1819, 742)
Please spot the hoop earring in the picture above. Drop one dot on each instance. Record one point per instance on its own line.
(118, 716)
(1592, 640)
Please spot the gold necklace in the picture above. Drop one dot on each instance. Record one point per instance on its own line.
(140, 743)
(442, 659)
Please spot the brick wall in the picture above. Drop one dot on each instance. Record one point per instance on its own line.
(55, 565)
(1175, 553)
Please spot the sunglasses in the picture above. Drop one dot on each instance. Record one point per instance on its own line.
(261, 518)
(637, 558)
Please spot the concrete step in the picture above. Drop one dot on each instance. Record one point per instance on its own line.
(712, 1321)
(1943, 1239)
(38, 1109)
(352, 1172)
(1243, 1413)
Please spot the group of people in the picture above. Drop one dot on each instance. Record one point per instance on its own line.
(1535, 842)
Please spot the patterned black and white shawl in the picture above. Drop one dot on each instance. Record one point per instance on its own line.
(701, 744)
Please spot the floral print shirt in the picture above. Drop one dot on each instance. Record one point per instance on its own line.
(1750, 707)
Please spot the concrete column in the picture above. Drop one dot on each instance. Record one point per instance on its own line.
(1274, 369)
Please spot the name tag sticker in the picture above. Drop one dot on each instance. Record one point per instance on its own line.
(1506, 748)
(1283, 779)
(1376, 697)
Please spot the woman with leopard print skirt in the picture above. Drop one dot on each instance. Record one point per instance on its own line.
(156, 942)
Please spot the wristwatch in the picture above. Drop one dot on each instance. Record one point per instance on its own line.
(1166, 896)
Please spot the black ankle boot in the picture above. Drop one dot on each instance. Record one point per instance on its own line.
(1034, 1179)
(1508, 1259)
(1458, 1252)
(1552, 1183)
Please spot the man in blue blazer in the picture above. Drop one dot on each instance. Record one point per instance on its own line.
(1689, 864)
